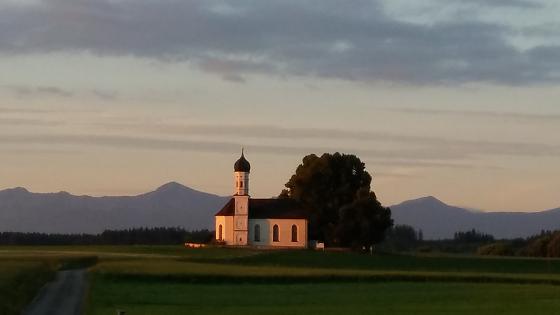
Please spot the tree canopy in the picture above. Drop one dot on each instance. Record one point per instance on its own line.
(336, 191)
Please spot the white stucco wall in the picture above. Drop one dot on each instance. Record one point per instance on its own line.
(227, 228)
(285, 232)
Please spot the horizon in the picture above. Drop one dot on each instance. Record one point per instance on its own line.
(226, 196)
(451, 99)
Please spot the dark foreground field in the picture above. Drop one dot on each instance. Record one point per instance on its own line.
(149, 297)
(173, 280)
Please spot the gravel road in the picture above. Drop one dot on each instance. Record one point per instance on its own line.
(64, 296)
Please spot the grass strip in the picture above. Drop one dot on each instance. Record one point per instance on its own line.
(20, 287)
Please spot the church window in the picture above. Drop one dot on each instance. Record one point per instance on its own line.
(257, 233)
(275, 234)
(241, 184)
(294, 233)
(220, 233)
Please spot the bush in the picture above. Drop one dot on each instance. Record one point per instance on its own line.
(538, 247)
(495, 249)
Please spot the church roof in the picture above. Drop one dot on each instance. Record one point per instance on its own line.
(282, 208)
(242, 165)
(228, 209)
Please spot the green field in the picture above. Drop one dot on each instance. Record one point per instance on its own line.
(174, 280)
(138, 297)
(20, 280)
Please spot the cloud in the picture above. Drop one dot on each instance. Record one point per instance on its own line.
(106, 95)
(497, 3)
(328, 39)
(52, 91)
(429, 151)
(430, 147)
(432, 164)
(516, 117)
(234, 78)
(20, 110)
(29, 122)
(40, 91)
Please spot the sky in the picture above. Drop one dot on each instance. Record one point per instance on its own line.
(455, 99)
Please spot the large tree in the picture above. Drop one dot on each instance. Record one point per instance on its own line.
(336, 190)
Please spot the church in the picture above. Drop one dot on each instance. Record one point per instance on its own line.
(263, 223)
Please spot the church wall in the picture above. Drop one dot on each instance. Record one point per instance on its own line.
(285, 232)
(227, 228)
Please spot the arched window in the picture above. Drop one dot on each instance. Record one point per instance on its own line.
(294, 233)
(241, 184)
(220, 232)
(275, 234)
(257, 233)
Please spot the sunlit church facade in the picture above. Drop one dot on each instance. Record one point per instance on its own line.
(267, 223)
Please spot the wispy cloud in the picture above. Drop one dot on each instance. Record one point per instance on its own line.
(432, 146)
(513, 116)
(496, 3)
(107, 95)
(328, 39)
(41, 91)
(25, 110)
(430, 150)
(29, 122)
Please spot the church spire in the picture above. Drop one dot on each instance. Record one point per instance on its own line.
(241, 169)
(242, 165)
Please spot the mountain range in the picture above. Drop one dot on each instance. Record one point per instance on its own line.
(175, 205)
(172, 205)
(438, 220)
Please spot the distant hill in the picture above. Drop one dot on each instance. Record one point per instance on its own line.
(439, 220)
(175, 205)
(172, 205)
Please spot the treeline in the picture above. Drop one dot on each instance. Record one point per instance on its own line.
(545, 244)
(404, 238)
(135, 236)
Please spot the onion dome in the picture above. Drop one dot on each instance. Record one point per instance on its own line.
(242, 165)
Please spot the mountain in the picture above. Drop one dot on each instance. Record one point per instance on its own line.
(438, 220)
(176, 205)
(172, 205)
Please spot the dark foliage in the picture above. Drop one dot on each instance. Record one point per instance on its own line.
(472, 236)
(553, 247)
(343, 211)
(496, 249)
(136, 236)
(401, 238)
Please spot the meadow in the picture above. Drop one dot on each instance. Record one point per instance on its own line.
(20, 279)
(174, 280)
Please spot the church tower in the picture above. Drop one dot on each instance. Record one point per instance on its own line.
(241, 169)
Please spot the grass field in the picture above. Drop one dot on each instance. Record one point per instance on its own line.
(174, 280)
(332, 298)
(19, 282)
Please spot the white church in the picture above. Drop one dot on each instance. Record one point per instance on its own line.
(267, 223)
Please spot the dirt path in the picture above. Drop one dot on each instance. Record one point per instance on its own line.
(64, 296)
